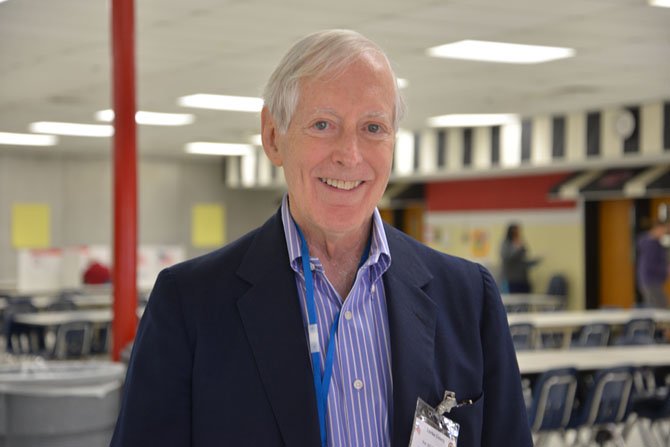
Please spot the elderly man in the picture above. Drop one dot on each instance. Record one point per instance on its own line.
(324, 326)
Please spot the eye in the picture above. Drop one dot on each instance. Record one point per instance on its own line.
(374, 128)
(321, 125)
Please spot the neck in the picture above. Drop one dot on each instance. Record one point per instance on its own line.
(339, 253)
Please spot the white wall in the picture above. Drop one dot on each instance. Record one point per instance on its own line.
(78, 191)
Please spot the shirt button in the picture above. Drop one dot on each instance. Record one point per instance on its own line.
(348, 315)
(373, 288)
(312, 267)
(358, 384)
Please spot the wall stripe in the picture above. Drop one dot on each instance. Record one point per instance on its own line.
(428, 152)
(666, 126)
(454, 147)
(593, 134)
(610, 141)
(526, 135)
(495, 145)
(651, 135)
(576, 137)
(558, 137)
(540, 141)
(442, 149)
(481, 157)
(417, 144)
(467, 147)
(631, 144)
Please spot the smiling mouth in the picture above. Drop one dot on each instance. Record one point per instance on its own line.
(341, 184)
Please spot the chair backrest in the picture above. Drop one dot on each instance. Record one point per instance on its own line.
(639, 327)
(638, 331)
(553, 399)
(62, 304)
(524, 336)
(592, 335)
(608, 399)
(558, 285)
(73, 340)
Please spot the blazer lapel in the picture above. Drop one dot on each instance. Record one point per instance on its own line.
(412, 322)
(273, 323)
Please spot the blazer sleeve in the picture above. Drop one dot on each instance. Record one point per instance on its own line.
(505, 420)
(156, 406)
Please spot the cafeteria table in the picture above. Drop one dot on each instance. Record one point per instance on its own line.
(569, 321)
(538, 361)
(532, 301)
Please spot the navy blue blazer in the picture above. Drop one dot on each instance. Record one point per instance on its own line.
(221, 356)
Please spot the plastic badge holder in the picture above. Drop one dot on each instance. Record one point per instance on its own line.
(432, 428)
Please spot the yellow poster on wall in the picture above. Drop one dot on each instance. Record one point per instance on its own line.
(31, 225)
(207, 225)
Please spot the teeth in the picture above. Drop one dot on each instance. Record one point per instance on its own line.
(341, 184)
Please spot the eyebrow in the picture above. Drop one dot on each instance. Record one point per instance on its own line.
(331, 111)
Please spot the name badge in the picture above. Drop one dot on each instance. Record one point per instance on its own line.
(431, 427)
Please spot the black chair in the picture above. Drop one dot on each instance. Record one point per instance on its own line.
(552, 403)
(592, 335)
(18, 339)
(653, 411)
(524, 336)
(605, 407)
(638, 331)
(73, 340)
(62, 304)
(101, 338)
(558, 287)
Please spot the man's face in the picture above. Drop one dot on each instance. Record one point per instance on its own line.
(338, 150)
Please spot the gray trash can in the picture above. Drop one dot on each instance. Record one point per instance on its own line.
(59, 404)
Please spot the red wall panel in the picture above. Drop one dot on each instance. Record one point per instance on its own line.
(525, 192)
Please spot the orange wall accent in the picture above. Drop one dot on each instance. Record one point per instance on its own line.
(655, 203)
(617, 270)
(524, 192)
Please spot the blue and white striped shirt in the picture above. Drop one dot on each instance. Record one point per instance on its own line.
(360, 394)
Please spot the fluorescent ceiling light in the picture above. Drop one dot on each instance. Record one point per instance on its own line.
(472, 120)
(222, 102)
(660, 3)
(151, 118)
(74, 129)
(27, 139)
(230, 149)
(402, 82)
(511, 53)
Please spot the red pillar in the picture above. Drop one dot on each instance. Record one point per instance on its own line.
(125, 175)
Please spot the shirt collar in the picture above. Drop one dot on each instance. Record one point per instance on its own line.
(379, 248)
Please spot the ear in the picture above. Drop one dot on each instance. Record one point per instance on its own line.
(269, 133)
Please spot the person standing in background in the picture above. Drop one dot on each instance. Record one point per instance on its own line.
(515, 264)
(652, 265)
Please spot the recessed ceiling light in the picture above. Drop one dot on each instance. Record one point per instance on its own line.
(402, 82)
(230, 149)
(73, 129)
(222, 102)
(27, 139)
(472, 120)
(512, 53)
(660, 3)
(150, 118)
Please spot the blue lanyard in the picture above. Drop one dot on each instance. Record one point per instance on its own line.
(321, 382)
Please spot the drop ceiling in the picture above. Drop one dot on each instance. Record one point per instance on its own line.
(55, 62)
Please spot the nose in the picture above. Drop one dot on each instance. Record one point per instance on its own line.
(348, 150)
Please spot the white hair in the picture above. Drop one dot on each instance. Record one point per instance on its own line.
(315, 55)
